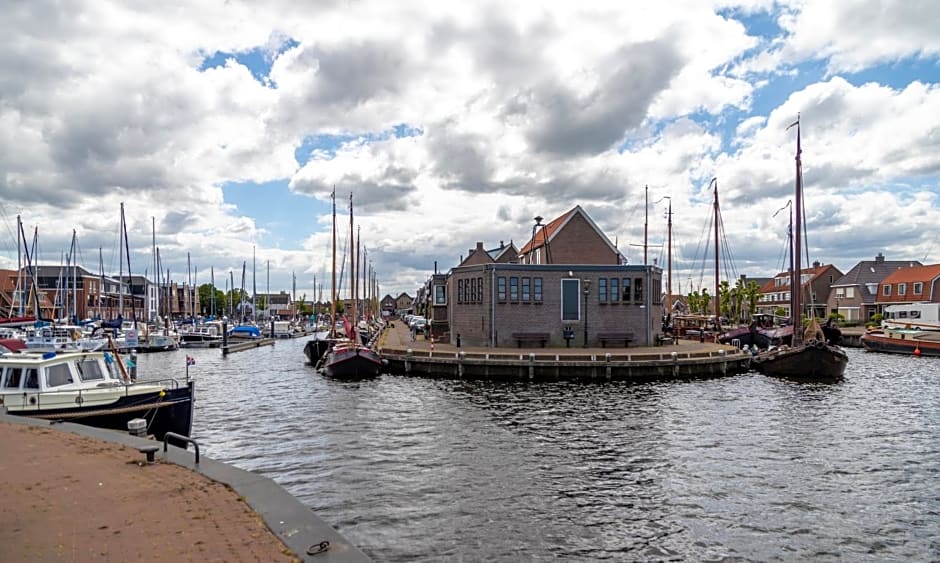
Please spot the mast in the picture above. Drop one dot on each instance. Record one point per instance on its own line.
(352, 262)
(796, 277)
(212, 284)
(669, 259)
(156, 269)
(646, 223)
(333, 286)
(254, 286)
(100, 289)
(121, 268)
(20, 274)
(231, 296)
(717, 294)
(267, 299)
(127, 250)
(189, 284)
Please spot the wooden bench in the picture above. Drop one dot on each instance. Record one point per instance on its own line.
(662, 339)
(606, 337)
(541, 337)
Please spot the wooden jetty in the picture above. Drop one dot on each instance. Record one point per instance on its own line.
(240, 345)
(681, 360)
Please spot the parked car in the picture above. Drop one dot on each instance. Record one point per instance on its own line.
(418, 323)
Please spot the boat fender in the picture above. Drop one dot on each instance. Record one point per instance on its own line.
(820, 344)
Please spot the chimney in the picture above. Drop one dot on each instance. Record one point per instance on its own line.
(500, 245)
(816, 264)
(880, 257)
(480, 246)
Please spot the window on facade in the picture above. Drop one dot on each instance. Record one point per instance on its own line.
(570, 300)
(480, 289)
(514, 289)
(614, 289)
(501, 288)
(887, 290)
(473, 290)
(440, 295)
(918, 288)
(626, 289)
(602, 290)
(537, 290)
(460, 296)
(840, 293)
(638, 290)
(526, 289)
(902, 288)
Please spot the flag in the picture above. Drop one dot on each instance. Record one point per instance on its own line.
(190, 361)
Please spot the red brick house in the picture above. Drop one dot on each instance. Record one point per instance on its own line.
(855, 294)
(919, 284)
(570, 280)
(816, 283)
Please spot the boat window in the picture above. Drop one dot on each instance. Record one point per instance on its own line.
(32, 379)
(89, 369)
(915, 314)
(13, 377)
(902, 314)
(58, 374)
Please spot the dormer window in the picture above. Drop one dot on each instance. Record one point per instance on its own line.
(887, 290)
(918, 288)
(902, 289)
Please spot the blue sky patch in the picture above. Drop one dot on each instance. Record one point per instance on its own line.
(256, 60)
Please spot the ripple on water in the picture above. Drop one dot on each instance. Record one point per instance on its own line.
(745, 467)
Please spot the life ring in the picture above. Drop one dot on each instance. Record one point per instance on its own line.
(820, 344)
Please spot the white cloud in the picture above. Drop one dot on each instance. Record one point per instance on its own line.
(522, 108)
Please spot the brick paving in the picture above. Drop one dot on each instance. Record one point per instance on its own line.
(66, 497)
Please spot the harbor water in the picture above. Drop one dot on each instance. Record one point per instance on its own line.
(740, 468)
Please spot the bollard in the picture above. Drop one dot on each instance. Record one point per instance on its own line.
(458, 340)
(137, 427)
(133, 372)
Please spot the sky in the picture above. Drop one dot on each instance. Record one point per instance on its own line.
(224, 128)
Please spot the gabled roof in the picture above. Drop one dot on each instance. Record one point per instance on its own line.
(551, 230)
(924, 274)
(504, 253)
(814, 272)
(403, 294)
(873, 271)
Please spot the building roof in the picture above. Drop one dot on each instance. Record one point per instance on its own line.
(504, 252)
(868, 272)
(814, 272)
(547, 231)
(924, 274)
(551, 230)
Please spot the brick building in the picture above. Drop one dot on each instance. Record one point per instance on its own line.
(569, 278)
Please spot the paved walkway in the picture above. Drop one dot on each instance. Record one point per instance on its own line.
(66, 497)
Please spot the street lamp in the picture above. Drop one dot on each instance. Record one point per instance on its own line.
(587, 290)
(838, 299)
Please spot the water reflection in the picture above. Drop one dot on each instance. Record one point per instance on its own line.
(743, 467)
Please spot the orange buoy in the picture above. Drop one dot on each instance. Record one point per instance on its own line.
(917, 350)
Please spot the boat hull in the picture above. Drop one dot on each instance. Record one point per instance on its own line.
(352, 362)
(810, 362)
(172, 412)
(315, 349)
(875, 342)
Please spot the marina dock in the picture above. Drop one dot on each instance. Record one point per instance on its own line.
(681, 359)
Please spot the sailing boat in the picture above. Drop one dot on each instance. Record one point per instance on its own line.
(323, 340)
(348, 359)
(810, 356)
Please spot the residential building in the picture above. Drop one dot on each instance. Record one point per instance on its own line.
(403, 304)
(855, 295)
(569, 282)
(815, 281)
(918, 284)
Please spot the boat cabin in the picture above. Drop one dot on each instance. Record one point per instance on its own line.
(51, 380)
(912, 315)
